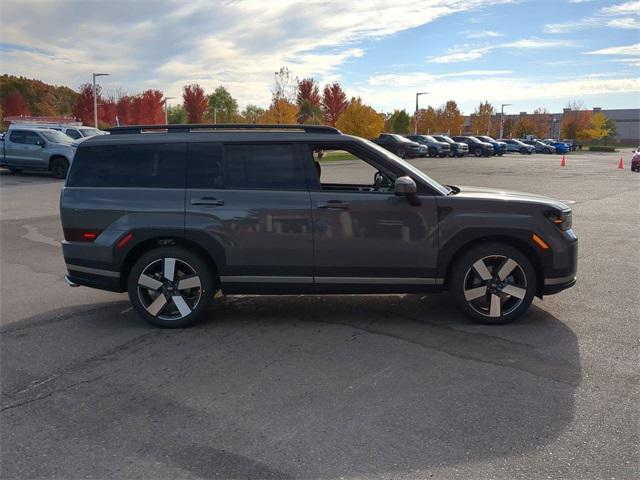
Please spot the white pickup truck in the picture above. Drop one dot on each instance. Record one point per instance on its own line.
(27, 148)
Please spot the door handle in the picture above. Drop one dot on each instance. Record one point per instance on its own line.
(210, 201)
(337, 204)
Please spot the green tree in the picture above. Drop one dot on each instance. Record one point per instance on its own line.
(177, 114)
(221, 106)
(252, 114)
(612, 131)
(400, 121)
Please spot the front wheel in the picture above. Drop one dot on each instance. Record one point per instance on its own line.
(401, 153)
(477, 152)
(493, 283)
(59, 167)
(523, 151)
(170, 287)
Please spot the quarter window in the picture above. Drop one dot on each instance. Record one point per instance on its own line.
(129, 166)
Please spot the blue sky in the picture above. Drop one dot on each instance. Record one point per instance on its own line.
(529, 53)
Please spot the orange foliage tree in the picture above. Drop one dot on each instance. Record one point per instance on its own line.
(281, 112)
(195, 102)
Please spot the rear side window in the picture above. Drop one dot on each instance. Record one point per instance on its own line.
(265, 166)
(129, 166)
(73, 134)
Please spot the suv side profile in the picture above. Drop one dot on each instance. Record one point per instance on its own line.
(476, 147)
(436, 147)
(173, 216)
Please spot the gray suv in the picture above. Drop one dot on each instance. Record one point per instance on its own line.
(172, 214)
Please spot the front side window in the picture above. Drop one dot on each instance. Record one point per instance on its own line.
(32, 138)
(129, 166)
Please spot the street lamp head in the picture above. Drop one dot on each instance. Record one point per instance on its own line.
(101, 74)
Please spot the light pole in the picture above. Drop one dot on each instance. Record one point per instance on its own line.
(415, 118)
(502, 118)
(215, 114)
(166, 115)
(553, 127)
(95, 98)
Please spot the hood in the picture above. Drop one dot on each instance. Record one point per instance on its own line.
(499, 194)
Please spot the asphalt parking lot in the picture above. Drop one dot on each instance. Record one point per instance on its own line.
(397, 386)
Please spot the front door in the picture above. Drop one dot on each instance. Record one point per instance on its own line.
(364, 234)
(23, 149)
(250, 205)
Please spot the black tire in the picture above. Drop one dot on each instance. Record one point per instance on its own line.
(459, 155)
(401, 153)
(465, 281)
(59, 167)
(477, 152)
(432, 152)
(15, 170)
(523, 151)
(170, 311)
(547, 151)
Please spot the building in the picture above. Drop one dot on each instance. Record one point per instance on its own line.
(627, 123)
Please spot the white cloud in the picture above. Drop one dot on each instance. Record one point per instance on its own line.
(629, 23)
(623, 50)
(484, 34)
(469, 91)
(239, 44)
(420, 78)
(467, 53)
(623, 8)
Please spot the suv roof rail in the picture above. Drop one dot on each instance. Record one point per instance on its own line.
(189, 128)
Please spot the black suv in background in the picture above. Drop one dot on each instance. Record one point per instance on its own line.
(435, 147)
(458, 149)
(171, 214)
(399, 145)
(476, 147)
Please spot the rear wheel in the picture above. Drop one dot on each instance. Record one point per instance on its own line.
(493, 283)
(59, 167)
(170, 287)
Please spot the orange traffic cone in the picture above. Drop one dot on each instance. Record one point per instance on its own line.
(621, 164)
(563, 162)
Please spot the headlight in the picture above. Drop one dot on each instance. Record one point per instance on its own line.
(562, 219)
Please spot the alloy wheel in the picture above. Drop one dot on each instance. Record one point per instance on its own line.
(495, 286)
(169, 289)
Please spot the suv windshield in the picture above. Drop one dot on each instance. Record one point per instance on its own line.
(56, 136)
(407, 166)
(444, 138)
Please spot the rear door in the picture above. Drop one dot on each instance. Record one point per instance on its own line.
(249, 204)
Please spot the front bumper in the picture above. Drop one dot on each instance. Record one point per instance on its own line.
(552, 288)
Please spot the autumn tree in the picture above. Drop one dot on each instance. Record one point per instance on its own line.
(598, 127)
(450, 119)
(360, 120)
(14, 104)
(334, 103)
(124, 110)
(524, 126)
(195, 102)
(147, 108)
(399, 122)
(427, 121)
(481, 119)
(541, 122)
(252, 114)
(222, 107)
(107, 111)
(508, 127)
(575, 121)
(281, 112)
(308, 101)
(83, 108)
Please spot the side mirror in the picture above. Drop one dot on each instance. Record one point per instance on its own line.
(405, 186)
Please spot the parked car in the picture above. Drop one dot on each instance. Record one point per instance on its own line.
(435, 148)
(514, 145)
(173, 216)
(74, 131)
(401, 146)
(476, 147)
(560, 147)
(635, 161)
(37, 149)
(458, 149)
(540, 147)
(499, 148)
